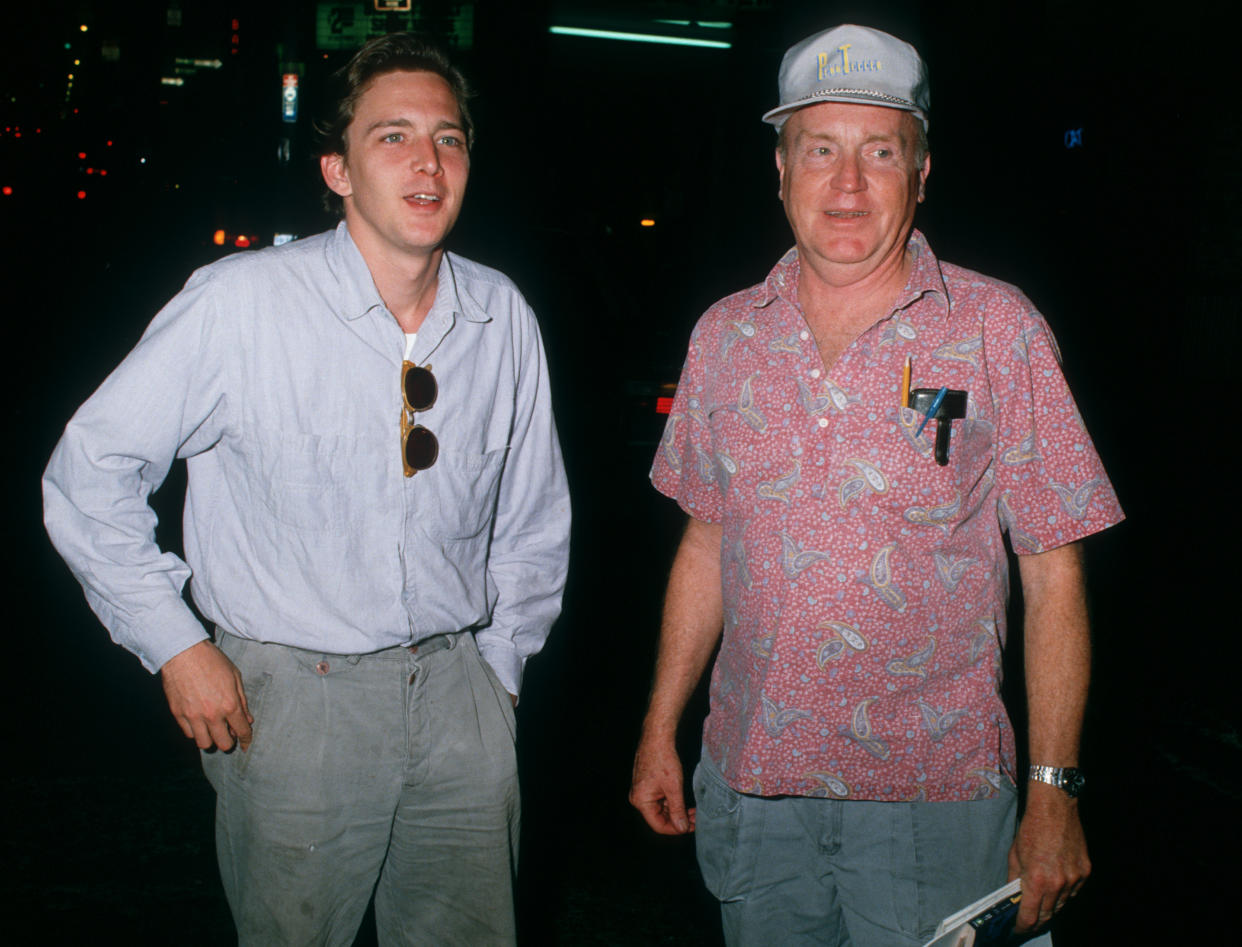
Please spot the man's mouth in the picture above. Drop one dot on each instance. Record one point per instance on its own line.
(846, 213)
(423, 198)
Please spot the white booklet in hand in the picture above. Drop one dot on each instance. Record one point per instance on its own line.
(986, 923)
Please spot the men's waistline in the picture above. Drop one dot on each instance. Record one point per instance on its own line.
(425, 646)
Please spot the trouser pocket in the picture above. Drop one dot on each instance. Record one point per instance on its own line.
(718, 822)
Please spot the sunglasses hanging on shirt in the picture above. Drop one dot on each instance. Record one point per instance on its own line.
(419, 447)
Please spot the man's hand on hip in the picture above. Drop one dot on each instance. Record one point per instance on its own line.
(205, 695)
(1050, 855)
(656, 791)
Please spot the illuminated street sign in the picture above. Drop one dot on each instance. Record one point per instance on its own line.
(289, 97)
(345, 25)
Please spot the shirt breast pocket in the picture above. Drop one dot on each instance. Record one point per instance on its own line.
(461, 491)
(305, 481)
(922, 486)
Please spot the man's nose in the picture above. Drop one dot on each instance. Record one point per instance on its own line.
(425, 156)
(848, 174)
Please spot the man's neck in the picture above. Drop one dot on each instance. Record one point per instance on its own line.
(844, 295)
(407, 283)
(839, 304)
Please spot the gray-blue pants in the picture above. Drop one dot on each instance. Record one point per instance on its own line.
(798, 871)
(393, 773)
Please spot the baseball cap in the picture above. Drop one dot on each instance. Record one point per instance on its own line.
(852, 64)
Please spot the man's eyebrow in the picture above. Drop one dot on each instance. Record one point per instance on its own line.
(389, 123)
(827, 136)
(406, 123)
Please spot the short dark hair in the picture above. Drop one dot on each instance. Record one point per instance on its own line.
(396, 52)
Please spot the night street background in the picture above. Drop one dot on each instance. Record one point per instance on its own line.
(1088, 152)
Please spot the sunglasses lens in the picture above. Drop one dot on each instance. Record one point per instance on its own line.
(420, 388)
(421, 448)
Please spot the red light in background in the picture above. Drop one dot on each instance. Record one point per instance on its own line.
(81, 155)
(81, 195)
(90, 170)
(103, 173)
(242, 241)
(664, 405)
(6, 191)
(219, 237)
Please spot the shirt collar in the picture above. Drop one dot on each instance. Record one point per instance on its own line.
(457, 291)
(358, 294)
(925, 279)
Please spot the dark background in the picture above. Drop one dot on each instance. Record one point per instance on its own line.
(1127, 242)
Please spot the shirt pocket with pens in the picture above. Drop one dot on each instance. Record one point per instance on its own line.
(962, 433)
(923, 492)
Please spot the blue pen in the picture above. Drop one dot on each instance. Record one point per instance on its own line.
(931, 412)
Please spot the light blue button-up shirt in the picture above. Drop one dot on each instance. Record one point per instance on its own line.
(276, 375)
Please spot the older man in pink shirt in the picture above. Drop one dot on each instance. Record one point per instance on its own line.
(852, 439)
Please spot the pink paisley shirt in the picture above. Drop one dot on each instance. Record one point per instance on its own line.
(864, 584)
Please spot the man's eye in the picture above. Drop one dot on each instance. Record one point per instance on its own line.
(393, 137)
(821, 151)
(451, 140)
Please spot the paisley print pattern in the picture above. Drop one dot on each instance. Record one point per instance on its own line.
(864, 584)
(779, 489)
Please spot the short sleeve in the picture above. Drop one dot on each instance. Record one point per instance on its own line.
(1051, 485)
(683, 468)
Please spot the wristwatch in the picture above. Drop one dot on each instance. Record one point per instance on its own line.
(1066, 778)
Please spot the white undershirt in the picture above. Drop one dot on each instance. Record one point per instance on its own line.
(409, 343)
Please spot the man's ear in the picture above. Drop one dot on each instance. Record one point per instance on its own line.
(780, 172)
(335, 174)
(923, 173)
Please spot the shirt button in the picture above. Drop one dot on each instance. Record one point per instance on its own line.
(823, 422)
(804, 335)
(814, 372)
(322, 667)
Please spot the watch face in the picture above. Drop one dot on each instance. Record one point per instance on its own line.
(1072, 781)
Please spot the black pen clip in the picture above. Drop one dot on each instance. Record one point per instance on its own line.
(952, 407)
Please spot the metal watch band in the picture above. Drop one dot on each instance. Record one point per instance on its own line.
(1069, 779)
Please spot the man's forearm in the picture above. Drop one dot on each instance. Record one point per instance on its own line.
(1050, 851)
(691, 627)
(693, 618)
(1057, 652)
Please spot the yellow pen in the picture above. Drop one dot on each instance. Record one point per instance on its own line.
(905, 384)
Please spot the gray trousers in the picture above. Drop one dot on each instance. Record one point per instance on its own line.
(393, 773)
(793, 870)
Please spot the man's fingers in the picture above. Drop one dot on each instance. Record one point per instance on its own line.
(221, 735)
(662, 807)
(245, 706)
(677, 813)
(655, 815)
(240, 726)
(207, 698)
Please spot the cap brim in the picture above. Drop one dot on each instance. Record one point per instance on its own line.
(778, 115)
